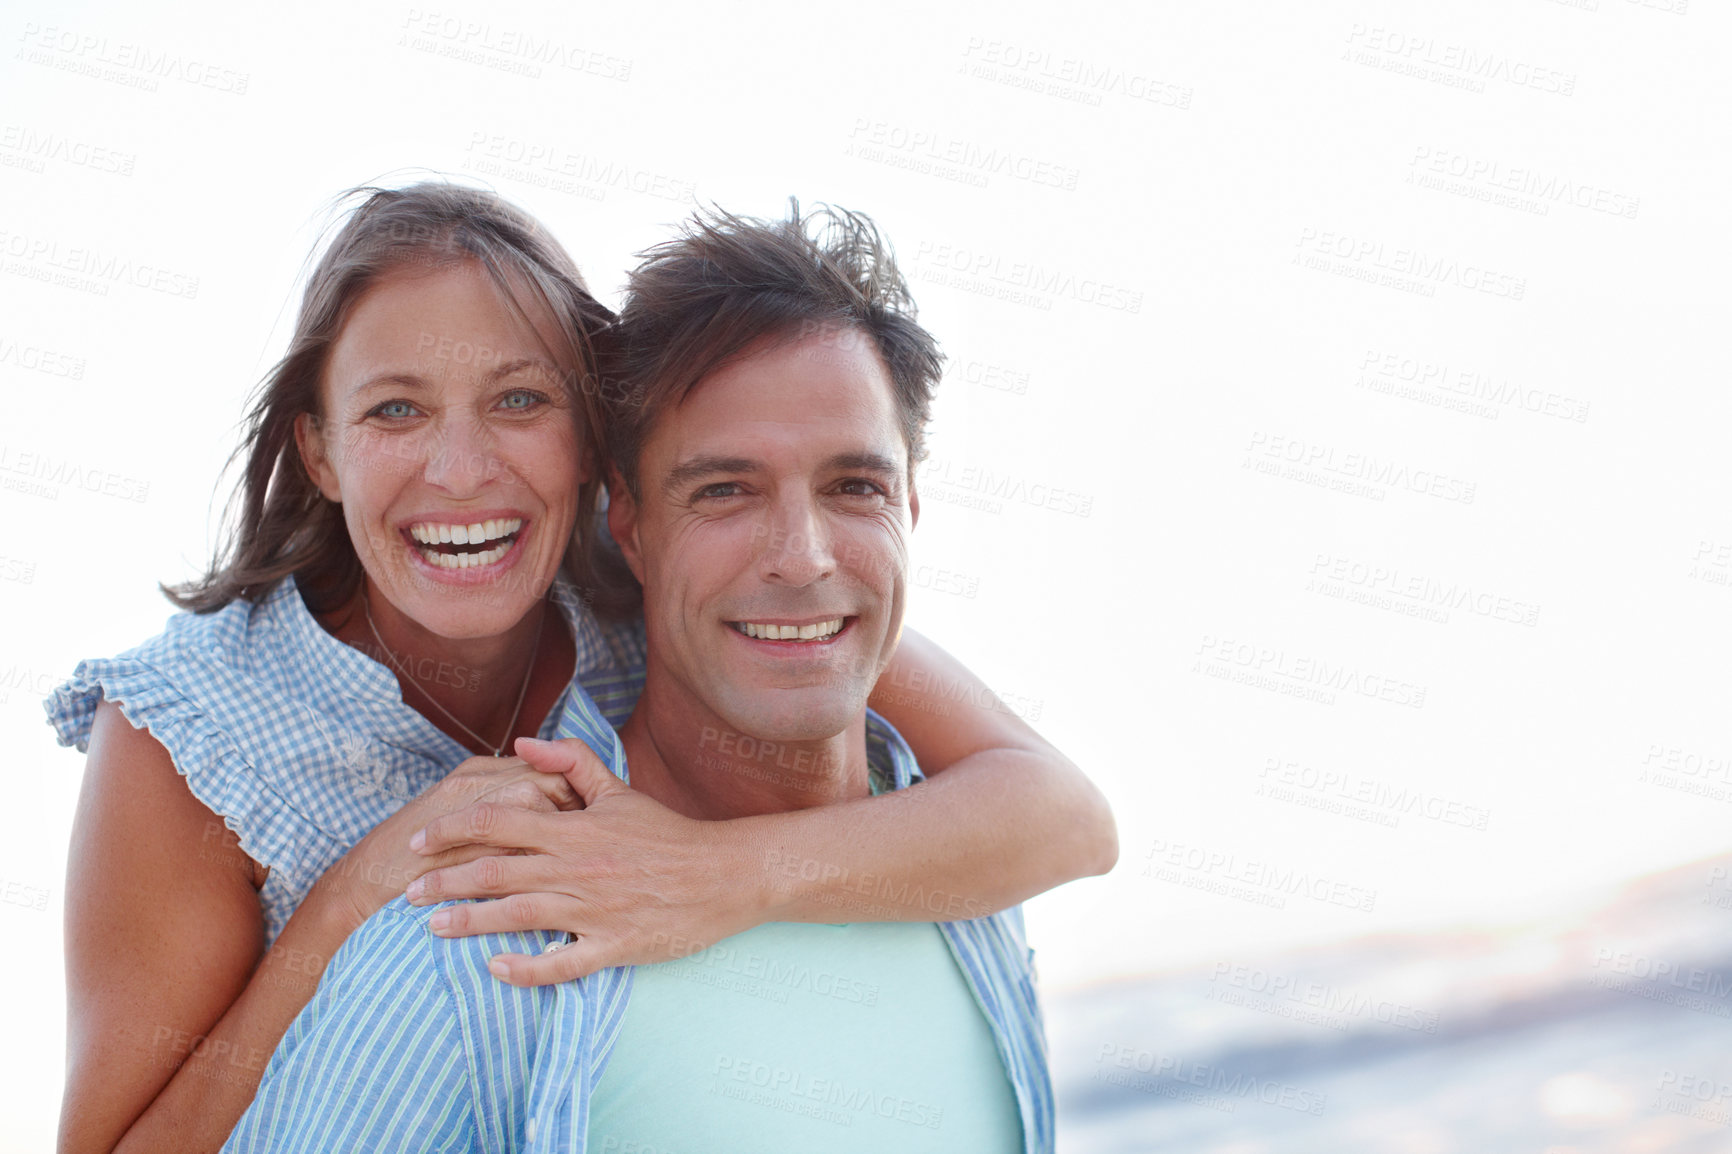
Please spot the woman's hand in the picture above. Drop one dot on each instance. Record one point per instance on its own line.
(634, 881)
(381, 865)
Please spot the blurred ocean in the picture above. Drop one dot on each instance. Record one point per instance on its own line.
(1605, 1030)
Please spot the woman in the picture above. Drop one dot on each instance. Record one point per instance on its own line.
(406, 588)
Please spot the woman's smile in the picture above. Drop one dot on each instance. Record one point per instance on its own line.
(457, 546)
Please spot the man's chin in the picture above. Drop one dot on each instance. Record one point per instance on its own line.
(794, 715)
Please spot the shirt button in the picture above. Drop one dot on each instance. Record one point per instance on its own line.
(529, 1130)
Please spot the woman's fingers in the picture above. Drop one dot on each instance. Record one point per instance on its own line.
(518, 912)
(530, 795)
(479, 777)
(564, 963)
(491, 876)
(484, 823)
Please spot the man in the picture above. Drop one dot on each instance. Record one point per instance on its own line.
(770, 411)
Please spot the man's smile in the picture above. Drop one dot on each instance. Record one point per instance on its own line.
(810, 631)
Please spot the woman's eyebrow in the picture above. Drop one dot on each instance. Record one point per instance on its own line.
(518, 365)
(398, 379)
(409, 380)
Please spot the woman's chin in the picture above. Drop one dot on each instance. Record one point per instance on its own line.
(473, 604)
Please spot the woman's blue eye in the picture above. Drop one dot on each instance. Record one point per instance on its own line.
(396, 410)
(519, 400)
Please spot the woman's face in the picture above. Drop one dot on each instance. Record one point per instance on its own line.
(452, 447)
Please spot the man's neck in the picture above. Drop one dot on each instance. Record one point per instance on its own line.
(693, 762)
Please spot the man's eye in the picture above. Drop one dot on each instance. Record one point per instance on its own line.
(720, 489)
(520, 400)
(392, 410)
(859, 487)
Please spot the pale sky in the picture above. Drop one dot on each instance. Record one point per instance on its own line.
(1330, 458)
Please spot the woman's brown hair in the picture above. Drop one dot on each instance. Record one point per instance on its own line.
(277, 523)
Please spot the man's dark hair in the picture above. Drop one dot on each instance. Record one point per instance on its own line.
(726, 282)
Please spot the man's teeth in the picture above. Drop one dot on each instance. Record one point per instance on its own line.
(815, 632)
(432, 533)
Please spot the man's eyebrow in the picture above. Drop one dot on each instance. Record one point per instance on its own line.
(707, 465)
(867, 462)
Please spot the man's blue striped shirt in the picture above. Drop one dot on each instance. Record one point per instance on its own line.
(410, 1044)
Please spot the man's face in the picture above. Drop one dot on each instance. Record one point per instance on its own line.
(772, 536)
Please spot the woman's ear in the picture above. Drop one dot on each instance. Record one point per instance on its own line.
(622, 515)
(310, 440)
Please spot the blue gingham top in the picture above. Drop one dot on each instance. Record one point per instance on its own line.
(300, 742)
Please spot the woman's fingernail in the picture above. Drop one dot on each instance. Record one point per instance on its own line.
(415, 890)
(498, 969)
(418, 841)
(440, 921)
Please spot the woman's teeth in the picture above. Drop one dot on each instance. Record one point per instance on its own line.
(819, 631)
(438, 542)
(430, 533)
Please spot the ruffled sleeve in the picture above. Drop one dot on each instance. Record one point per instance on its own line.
(300, 743)
(271, 830)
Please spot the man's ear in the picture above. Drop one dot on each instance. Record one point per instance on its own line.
(622, 522)
(913, 502)
(310, 440)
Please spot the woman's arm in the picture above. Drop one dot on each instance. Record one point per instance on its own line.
(171, 1014)
(1003, 817)
(173, 1004)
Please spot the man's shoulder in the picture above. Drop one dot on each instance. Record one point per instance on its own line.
(888, 756)
(407, 930)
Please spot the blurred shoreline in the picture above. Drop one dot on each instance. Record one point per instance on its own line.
(1600, 1029)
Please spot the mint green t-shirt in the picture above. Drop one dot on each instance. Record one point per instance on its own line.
(803, 1038)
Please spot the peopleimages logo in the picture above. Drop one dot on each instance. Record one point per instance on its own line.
(133, 65)
(1172, 861)
(38, 473)
(968, 156)
(1375, 259)
(1287, 780)
(1426, 57)
(1044, 282)
(42, 147)
(1211, 1077)
(1525, 184)
(1413, 593)
(1662, 980)
(1467, 389)
(89, 269)
(1349, 471)
(1316, 1003)
(37, 359)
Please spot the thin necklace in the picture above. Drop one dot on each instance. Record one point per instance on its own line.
(498, 750)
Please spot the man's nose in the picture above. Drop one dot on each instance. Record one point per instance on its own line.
(795, 546)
